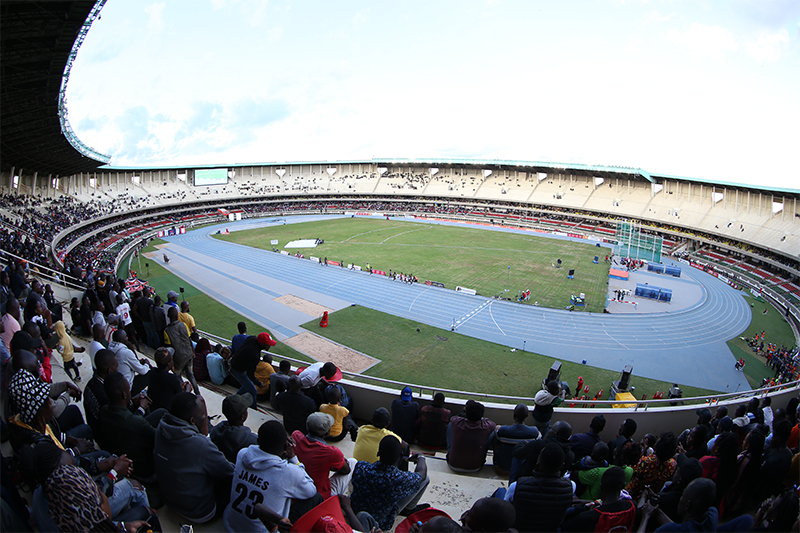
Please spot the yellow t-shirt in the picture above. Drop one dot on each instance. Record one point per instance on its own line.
(338, 413)
(367, 442)
(187, 319)
(262, 373)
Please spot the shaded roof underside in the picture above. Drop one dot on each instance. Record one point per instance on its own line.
(36, 39)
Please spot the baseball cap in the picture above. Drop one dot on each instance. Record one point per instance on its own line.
(405, 395)
(235, 405)
(172, 294)
(265, 338)
(319, 423)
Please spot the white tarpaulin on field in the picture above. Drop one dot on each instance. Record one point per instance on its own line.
(303, 243)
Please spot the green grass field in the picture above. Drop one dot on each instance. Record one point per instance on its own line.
(473, 258)
(777, 330)
(460, 362)
(210, 315)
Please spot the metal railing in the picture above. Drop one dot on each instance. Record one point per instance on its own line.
(427, 391)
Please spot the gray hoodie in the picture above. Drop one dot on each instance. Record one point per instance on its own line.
(188, 465)
(261, 477)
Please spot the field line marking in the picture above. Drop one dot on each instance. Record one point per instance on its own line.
(615, 340)
(417, 298)
(409, 231)
(495, 321)
(367, 232)
(465, 318)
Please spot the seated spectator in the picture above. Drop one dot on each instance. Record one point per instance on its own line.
(489, 515)
(194, 476)
(342, 423)
(11, 320)
(320, 458)
(264, 370)
(541, 500)
(469, 439)
(98, 343)
(279, 381)
(269, 473)
(720, 465)
(625, 434)
(777, 461)
(135, 370)
(381, 489)
(545, 401)
(405, 416)
(370, 436)
(199, 364)
(129, 433)
(723, 425)
(505, 439)
(164, 385)
(583, 443)
(295, 406)
(589, 480)
(696, 507)
(316, 374)
(748, 466)
(244, 362)
(76, 504)
(614, 513)
(528, 454)
(687, 471)
(434, 420)
(655, 470)
(597, 459)
(94, 395)
(231, 435)
(67, 417)
(217, 364)
(695, 442)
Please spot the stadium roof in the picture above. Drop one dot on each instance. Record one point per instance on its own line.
(38, 41)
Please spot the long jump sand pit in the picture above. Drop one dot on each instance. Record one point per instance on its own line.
(322, 349)
(302, 305)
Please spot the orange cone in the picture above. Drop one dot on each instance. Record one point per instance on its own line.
(323, 323)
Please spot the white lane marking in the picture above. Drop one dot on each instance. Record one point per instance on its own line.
(495, 321)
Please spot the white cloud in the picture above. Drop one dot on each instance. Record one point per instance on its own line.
(704, 41)
(155, 19)
(768, 46)
(359, 19)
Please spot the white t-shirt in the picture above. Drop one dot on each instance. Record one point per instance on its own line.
(124, 311)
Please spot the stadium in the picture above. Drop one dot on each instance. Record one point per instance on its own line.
(732, 248)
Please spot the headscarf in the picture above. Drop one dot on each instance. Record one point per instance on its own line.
(29, 394)
(75, 503)
(68, 353)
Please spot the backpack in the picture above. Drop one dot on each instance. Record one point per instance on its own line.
(621, 521)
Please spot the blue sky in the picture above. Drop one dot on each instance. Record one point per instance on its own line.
(705, 89)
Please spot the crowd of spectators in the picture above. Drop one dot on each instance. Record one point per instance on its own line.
(143, 441)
